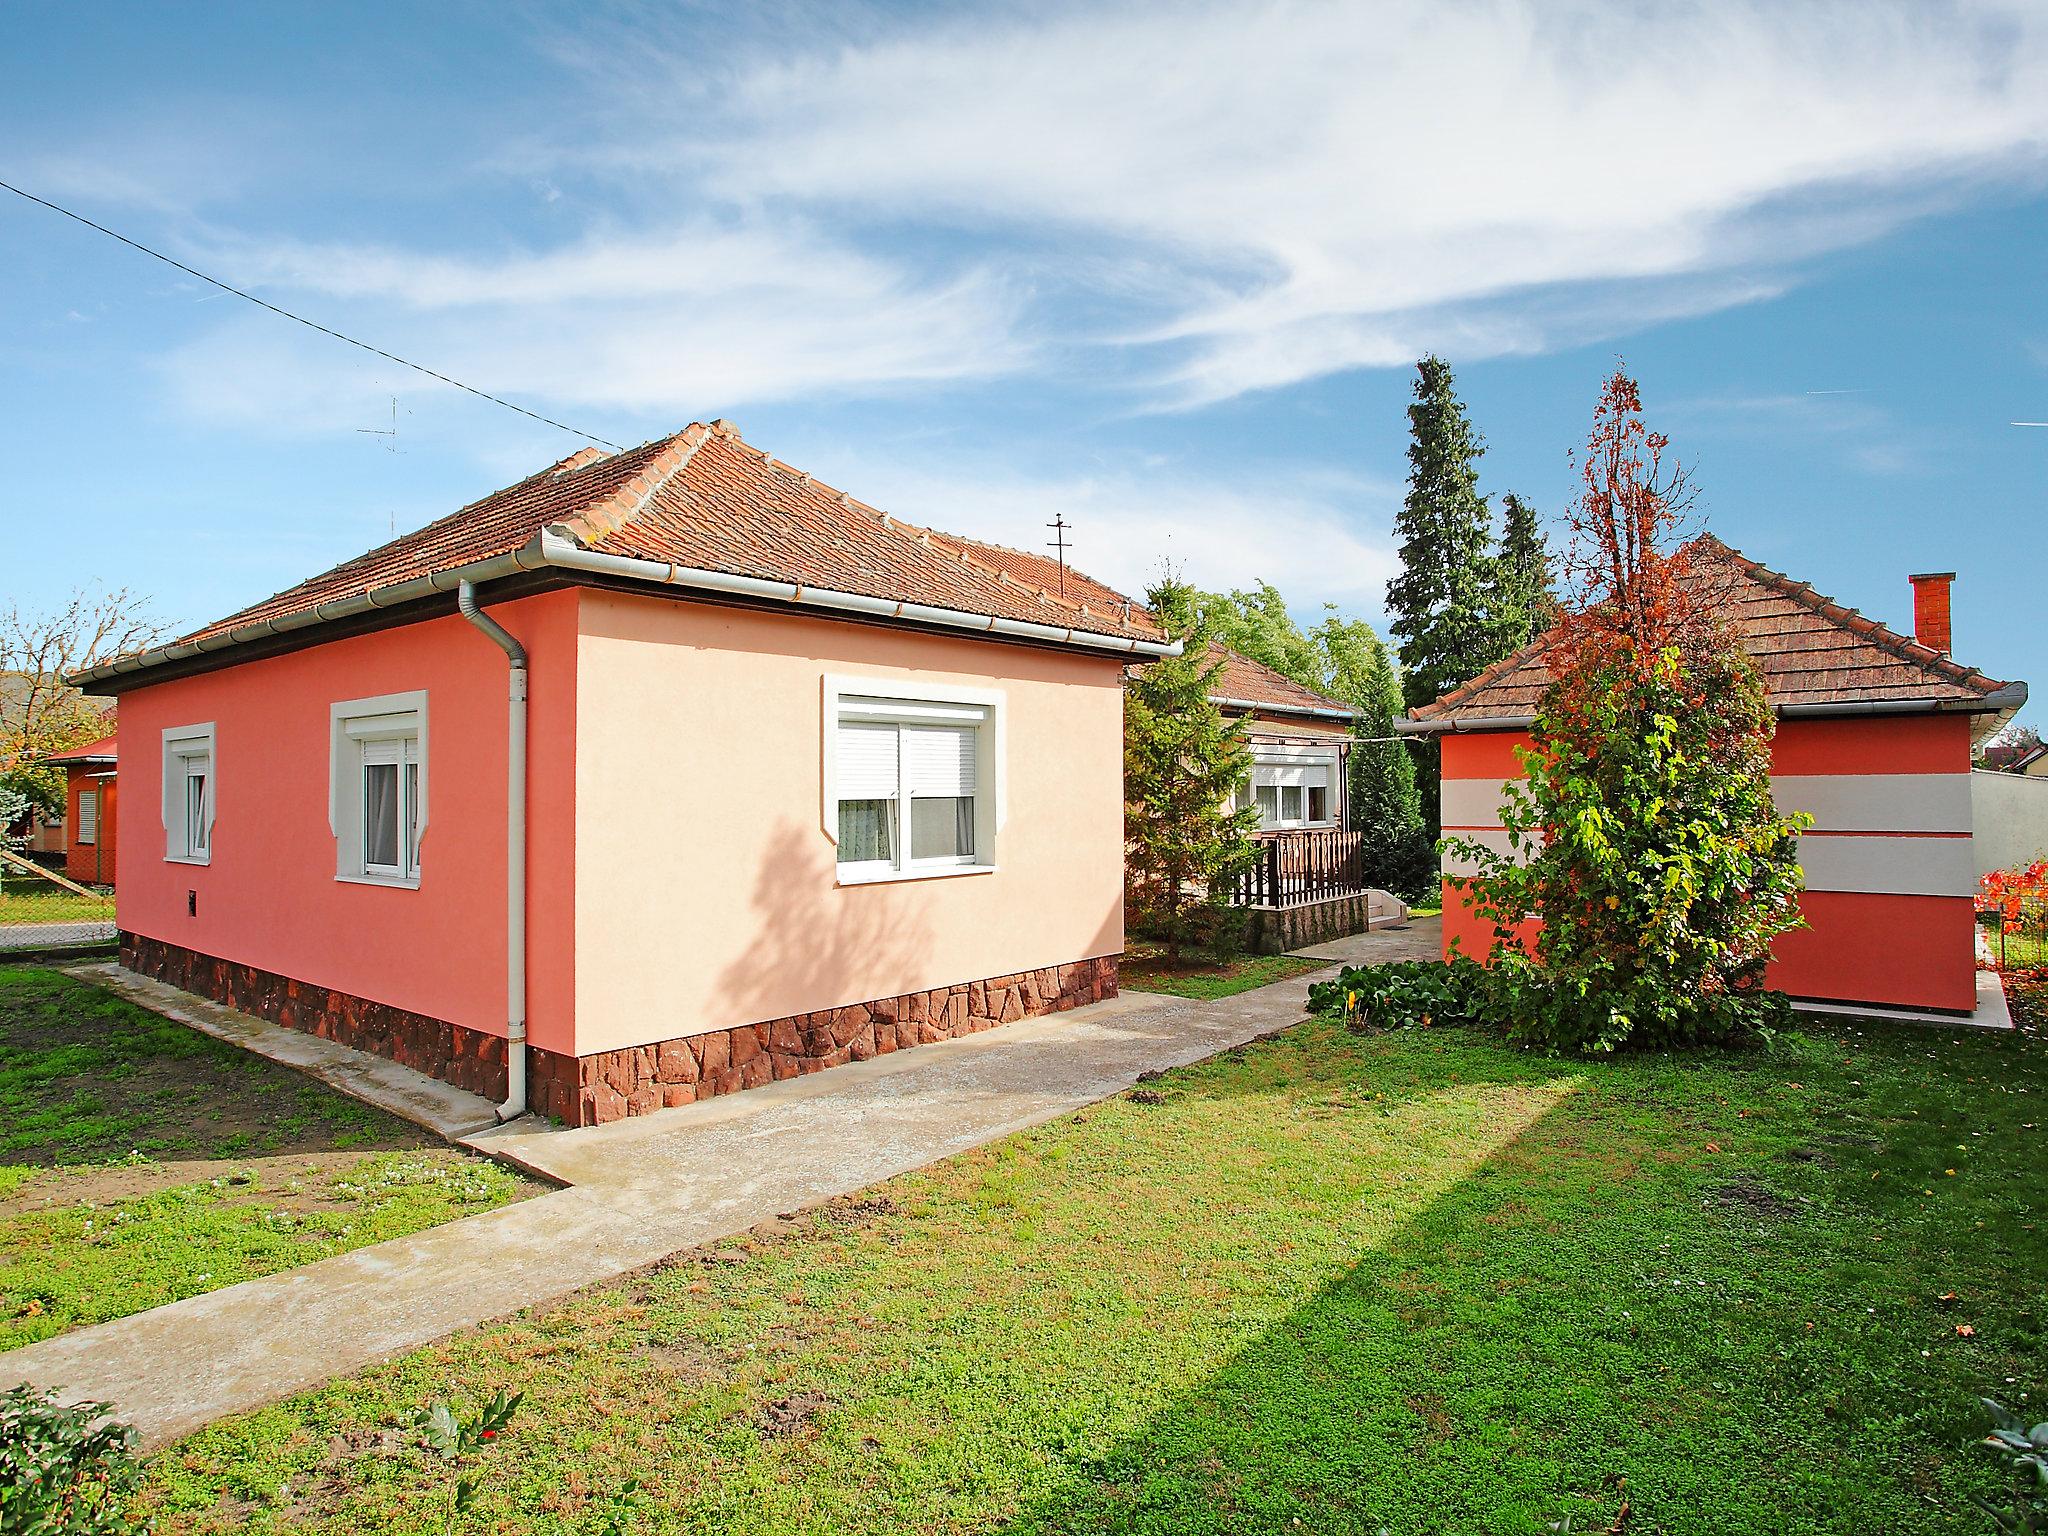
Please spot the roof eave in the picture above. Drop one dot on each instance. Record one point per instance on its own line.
(2003, 702)
(1317, 711)
(549, 550)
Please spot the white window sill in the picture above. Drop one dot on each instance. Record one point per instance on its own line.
(936, 872)
(184, 858)
(397, 882)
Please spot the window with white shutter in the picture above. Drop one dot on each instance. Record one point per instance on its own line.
(377, 794)
(913, 781)
(188, 794)
(1293, 792)
(88, 817)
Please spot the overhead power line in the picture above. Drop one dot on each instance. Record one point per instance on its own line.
(314, 325)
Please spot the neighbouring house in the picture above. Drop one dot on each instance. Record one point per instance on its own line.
(90, 794)
(1873, 741)
(657, 775)
(1300, 742)
(2032, 764)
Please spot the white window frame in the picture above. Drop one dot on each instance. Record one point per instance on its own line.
(188, 839)
(88, 826)
(1299, 757)
(906, 703)
(399, 718)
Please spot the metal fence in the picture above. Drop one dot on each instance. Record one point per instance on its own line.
(1298, 867)
(2017, 939)
(40, 909)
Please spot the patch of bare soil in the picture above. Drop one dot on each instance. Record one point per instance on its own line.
(301, 1182)
(1746, 1194)
(789, 1416)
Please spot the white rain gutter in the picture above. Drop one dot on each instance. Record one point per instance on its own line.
(1286, 709)
(551, 549)
(515, 850)
(555, 550)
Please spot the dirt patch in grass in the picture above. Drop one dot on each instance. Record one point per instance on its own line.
(1755, 1199)
(791, 1416)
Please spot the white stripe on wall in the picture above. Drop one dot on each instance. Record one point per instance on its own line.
(1453, 864)
(1890, 866)
(1472, 802)
(1878, 802)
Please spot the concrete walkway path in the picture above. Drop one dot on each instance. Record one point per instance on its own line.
(1420, 938)
(640, 1190)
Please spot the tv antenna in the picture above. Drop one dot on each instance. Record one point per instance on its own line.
(390, 436)
(1058, 543)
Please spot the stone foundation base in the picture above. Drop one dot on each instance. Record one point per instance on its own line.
(467, 1058)
(590, 1090)
(1270, 932)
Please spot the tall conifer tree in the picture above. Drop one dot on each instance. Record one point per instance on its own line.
(1441, 605)
(1527, 602)
(1183, 765)
(1386, 805)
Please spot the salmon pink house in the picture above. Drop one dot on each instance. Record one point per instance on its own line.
(1874, 735)
(656, 775)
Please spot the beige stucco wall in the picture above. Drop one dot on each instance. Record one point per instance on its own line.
(707, 892)
(2010, 813)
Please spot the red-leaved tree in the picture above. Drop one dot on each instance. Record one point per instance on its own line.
(1644, 841)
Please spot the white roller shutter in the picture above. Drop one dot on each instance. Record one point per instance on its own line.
(867, 761)
(938, 761)
(1305, 774)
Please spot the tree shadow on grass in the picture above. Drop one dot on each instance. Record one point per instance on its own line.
(1576, 1320)
(86, 1076)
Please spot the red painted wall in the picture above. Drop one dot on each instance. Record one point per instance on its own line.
(1909, 951)
(270, 898)
(91, 863)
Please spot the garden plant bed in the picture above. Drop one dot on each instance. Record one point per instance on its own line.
(1198, 975)
(1416, 1280)
(141, 1162)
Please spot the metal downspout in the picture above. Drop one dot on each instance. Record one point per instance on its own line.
(515, 852)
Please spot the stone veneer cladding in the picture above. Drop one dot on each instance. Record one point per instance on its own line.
(590, 1090)
(468, 1058)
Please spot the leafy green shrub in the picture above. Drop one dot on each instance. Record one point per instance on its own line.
(64, 1470)
(1404, 992)
(2026, 1508)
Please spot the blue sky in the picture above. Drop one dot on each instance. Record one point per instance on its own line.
(1160, 269)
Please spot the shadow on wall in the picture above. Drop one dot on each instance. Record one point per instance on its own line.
(816, 943)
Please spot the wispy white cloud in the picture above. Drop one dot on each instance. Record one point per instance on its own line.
(1861, 433)
(1171, 204)
(1319, 537)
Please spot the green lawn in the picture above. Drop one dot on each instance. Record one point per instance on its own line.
(1144, 969)
(1327, 1283)
(141, 1162)
(26, 898)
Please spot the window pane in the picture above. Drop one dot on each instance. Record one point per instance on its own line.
(1269, 805)
(380, 815)
(1290, 802)
(1318, 803)
(942, 827)
(195, 813)
(867, 831)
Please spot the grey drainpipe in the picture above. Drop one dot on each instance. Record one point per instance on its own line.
(515, 853)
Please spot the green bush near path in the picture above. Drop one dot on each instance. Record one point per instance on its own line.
(1420, 1280)
(142, 1162)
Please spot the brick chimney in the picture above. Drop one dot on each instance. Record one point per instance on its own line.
(1930, 610)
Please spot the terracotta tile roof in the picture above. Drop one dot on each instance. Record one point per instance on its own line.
(704, 498)
(1250, 682)
(107, 747)
(1810, 649)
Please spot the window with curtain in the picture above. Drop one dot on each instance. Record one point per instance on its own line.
(1292, 794)
(909, 783)
(378, 788)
